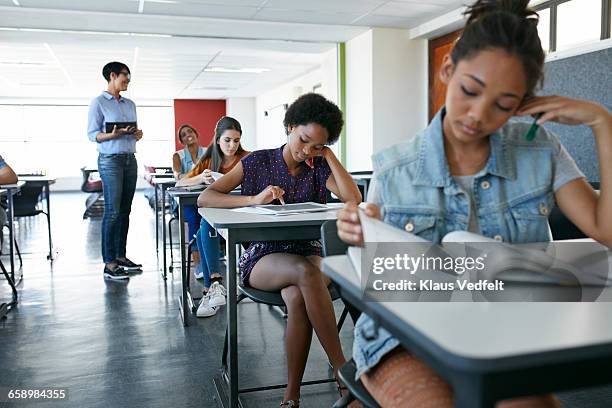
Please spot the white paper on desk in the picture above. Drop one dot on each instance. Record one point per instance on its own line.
(250, 210)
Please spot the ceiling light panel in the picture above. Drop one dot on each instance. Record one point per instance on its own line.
(334, 6)
(312, 17)
(200, 10)
(118, 6)
(409, 10)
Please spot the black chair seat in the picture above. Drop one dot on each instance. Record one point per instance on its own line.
(274, 298)
(28, 213)
(355, 387)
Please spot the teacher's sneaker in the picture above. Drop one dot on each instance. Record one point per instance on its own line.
(216, 293)
(117, 273)
(128, 265)
(205, 309)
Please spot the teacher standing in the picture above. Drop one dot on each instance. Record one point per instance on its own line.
(116, 165)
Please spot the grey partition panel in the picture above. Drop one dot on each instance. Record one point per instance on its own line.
(586, 76)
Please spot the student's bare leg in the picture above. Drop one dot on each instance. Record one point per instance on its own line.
(297, 340)
(402, 380)
(279, 270)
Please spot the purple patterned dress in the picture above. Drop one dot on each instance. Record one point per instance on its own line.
(262, 168)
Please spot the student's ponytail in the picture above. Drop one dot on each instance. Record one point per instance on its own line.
(506, 24)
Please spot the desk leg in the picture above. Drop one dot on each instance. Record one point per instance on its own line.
(471, 392)
(185, 307)
(4, 307)
(156, 205)
(232, 355)
(11, 221)
(48, 196)
(163, 222)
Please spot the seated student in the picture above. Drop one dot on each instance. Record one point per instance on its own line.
(185, 159)
(471, 169)
(301, 170)
(221, 155)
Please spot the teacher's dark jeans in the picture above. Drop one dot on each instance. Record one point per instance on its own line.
(118, 173)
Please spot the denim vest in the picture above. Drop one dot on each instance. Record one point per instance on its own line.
(514, 194)
(187, 163)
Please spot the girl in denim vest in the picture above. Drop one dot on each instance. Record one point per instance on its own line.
(473, 170)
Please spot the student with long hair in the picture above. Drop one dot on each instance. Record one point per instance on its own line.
(471, 169)
(184, 160)
(222, 154)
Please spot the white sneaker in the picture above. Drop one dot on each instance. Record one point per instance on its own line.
(205, 309)
(198, 273)
(216, 293)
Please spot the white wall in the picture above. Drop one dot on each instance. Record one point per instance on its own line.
(400, 83)
(270, 130)
(243, 110)
(386, 74)
(359, 102)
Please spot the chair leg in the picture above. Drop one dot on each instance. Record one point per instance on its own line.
(342, 318)
(50, 256)
(18, 254)
(170, 237)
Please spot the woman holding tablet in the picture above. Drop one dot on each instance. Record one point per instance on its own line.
(116, 165)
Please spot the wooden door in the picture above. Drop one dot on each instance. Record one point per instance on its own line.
(438, 48)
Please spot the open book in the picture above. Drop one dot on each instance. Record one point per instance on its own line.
(557, 263)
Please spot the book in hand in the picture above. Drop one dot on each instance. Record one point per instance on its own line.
(553, 263)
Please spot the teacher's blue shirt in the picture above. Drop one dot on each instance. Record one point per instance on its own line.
(105, 108)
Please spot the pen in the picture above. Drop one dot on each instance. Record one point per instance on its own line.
(534, 127)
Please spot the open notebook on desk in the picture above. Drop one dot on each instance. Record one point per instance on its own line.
(557, 263)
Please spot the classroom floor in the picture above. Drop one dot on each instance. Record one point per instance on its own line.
(116, 344)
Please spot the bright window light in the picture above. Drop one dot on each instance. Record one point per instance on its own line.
(578, 22)
(544, 29)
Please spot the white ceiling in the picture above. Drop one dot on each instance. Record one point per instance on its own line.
(56, 49)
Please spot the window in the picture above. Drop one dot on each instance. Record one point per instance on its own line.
(544, 29)
(578, 22)
(54, 138)
(569, 23)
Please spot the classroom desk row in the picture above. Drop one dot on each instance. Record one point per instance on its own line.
(10, 190)
(487, 351)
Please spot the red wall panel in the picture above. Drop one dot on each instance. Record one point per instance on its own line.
(202, 114)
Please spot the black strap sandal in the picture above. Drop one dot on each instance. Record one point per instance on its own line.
(290, 404)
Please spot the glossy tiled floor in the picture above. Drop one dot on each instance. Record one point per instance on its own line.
(123, 345)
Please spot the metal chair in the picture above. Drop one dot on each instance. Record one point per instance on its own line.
(94, 205)
(26, 204)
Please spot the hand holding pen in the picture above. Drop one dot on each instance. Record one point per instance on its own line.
(563, 110)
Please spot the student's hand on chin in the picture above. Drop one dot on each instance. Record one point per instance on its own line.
(349, 226)
(565, 110)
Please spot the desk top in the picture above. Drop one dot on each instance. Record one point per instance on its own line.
(17, 185)
(226, 218)
(163, 180)
(38, 179)
(492, 331)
